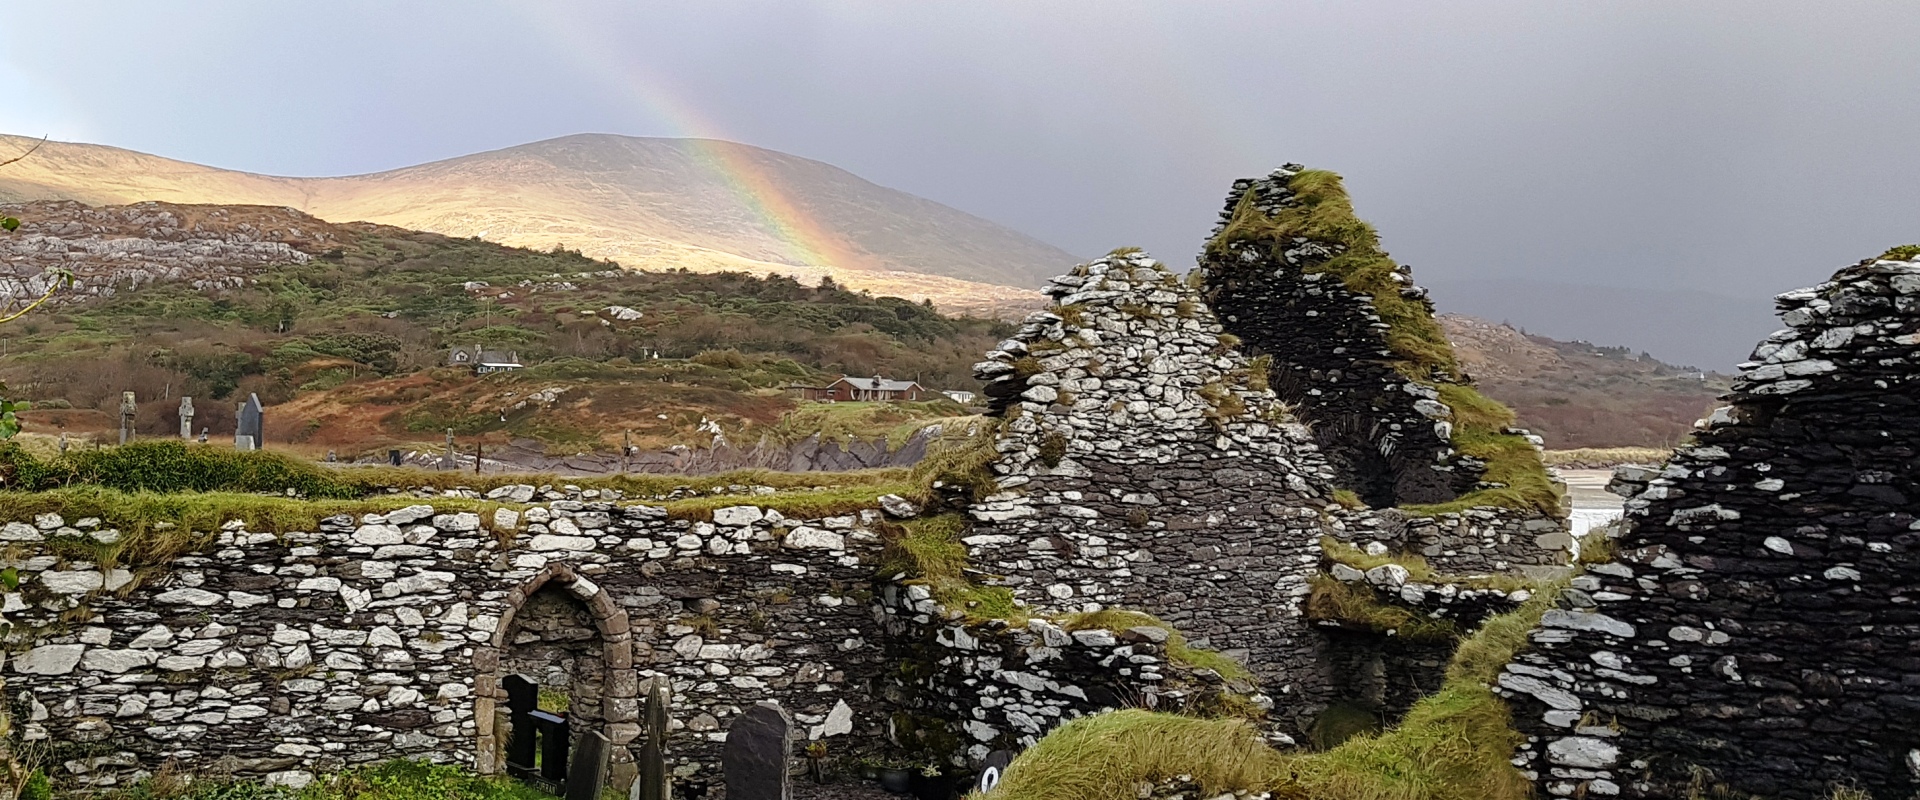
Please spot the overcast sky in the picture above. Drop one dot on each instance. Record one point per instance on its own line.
(1736, 148)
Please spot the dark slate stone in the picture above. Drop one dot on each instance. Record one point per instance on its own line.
(755, 756)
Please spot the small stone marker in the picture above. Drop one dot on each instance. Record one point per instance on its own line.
(587, 774)
(755, 757)
(393, 457)
(127, 408)
(186, 418)
(252, 417)
(63, 442)
(993, 770)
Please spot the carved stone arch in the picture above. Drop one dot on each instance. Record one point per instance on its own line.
(619, 702)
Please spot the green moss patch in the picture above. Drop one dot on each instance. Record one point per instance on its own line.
(1178, 650)
(1905, 252)
(1453, 745)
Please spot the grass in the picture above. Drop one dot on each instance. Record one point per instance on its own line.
(1357, 606)
(1320, 210)
(390, 780)
(797, 503)
(1606, 456)
(173, 466)
(845, 423)
(1905, 252)
(1452, 745)
(963, 456)
(929, 550)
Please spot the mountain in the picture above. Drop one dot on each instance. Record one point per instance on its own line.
(646, 203)
(1700, 329)
(1576, 394)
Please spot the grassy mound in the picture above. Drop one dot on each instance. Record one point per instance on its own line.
(391, 780)
(1453, 745)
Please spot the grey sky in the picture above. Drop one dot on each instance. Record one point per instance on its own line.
(1737, 148)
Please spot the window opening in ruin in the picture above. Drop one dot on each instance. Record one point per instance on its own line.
(556, 673)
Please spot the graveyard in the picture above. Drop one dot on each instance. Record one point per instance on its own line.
(1247, 532)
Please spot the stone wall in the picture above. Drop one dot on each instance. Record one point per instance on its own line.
(1387, 437)
(1476, 541)
(388, 635)
(1143, 466)
(1759, 622)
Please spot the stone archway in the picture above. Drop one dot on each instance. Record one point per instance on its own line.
(619, 708)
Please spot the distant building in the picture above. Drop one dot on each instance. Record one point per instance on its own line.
(875, 388)
(483, 361)
(956, 395)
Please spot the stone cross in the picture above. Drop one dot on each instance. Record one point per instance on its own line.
(252, 417)
(126, 417)
(450, 463)
(755, 756)
(186, 418)
(653, 752)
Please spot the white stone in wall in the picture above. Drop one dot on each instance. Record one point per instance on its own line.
(154, 637)
(735, 516)
(377, 535)
(247, 600)
(506, 519)
(409, 515)
(72, 582)
(116, 661)
(188, 597)
(810, 538)
(463, 522)
(323, 585)
(550, 542)
(1583, 751)
(18, 532)
(52, 659)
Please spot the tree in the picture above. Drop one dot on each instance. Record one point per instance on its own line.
(60, 279)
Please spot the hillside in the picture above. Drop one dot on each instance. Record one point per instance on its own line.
(344, 330)
(1576, 394)
(646, 203)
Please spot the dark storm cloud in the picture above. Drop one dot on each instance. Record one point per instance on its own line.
(1733, 149)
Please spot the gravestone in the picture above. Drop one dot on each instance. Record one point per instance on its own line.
(186, 418)
(393, 457)
(587, 776)
(63, 442)
(755, 756)
(127, 408)
(252, 416)
(993, 770)
(449, 462)
(653, 753)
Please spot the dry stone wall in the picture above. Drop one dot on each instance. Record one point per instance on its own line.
(1760, 621)
(1387, 437)
(1142, 465)
(388, 636)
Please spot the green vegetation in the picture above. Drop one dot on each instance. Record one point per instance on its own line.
(848, 422)
(1606, 456)
(928, 550)
(1478, 430)
(391, 780)
(1453, 745)
(361, 333)
(1321, 211)
(962, 456)
(1905, 252)
(1357, 606)
(1417, 568)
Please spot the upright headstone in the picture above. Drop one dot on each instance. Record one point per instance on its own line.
(755, 756)
(587, 773)
(653, 753)
(126, 417)
(252, 416)
(203, 434)
(393, 457)
(63, 442)
(993, 770)
(449, 463)
(186, 418)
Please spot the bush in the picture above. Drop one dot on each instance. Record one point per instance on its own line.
(172, 466)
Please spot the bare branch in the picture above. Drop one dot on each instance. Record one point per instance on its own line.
(36, 146)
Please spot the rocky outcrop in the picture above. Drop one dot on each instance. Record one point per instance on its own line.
(1143, 465)
(117, 248)
(1757, 631)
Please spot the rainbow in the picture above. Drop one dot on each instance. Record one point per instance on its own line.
(752, 182)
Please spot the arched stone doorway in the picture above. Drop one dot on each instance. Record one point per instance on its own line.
(541, 631)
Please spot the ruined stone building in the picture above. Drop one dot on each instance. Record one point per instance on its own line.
(1757, 631)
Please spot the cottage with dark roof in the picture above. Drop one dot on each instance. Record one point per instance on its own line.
(483, 361)
(875, 388)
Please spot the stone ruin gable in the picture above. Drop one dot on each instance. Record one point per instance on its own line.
(388, 636)
(985, 686)
(1760, 620)
(1388, 438)
(1139, 471)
